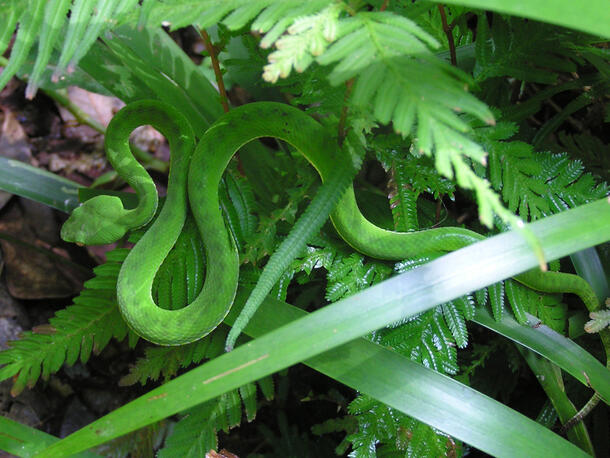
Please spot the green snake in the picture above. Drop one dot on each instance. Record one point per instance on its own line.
(195, 174)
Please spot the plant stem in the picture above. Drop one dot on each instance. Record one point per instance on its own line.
(216, 66)
(582, 413)
(447, 30)
(341, 129)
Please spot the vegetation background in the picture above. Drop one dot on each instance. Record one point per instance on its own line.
(480, 114)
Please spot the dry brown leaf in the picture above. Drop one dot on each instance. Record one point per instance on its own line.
(31, 274)
(14, 143)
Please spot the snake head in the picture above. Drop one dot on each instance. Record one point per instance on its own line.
(96, 222)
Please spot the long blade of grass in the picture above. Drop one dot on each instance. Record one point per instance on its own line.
(549, 377)
(22, 440)
(553, 346)
(418, 391)
(439, 281)
(45, 187)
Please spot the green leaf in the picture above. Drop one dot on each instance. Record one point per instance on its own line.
(30, 21)
(553, 346)
(549, 377)
(502, 51)
(22, 440)
(37, 184)
(594, 17)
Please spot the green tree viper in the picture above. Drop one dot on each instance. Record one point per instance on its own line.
(196, 172)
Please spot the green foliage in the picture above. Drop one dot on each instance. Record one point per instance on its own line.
(46, 19)
(409, 177)
(359, 69)
(399, 434)
(502, 51)
(165, 362)
(539, 184)
(196, 432)
(350, 274)
(591, 150)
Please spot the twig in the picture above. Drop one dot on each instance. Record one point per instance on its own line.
(447, 30)
(216, 66)
(341, 133)
(582, 413)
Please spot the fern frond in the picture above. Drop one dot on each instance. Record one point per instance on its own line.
(383, 431)
(351, 274)
(308, 37)
(30, 20)
(312, 90)
(548, 307)
(241, 196)
(591, 150)
(75, 332)
(540, 184)
(425, 338)
(496, 299)
(42, 20)
(196, 433)
(54, 18)
(165, 362)
(180, 277)
(409, 176)
(403, 199)
(263, 241)
(502, 51)
(417, 171)
(368, 37)
(270, 16)
(455, 319)
(87, 27)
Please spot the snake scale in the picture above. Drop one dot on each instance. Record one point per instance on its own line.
(195, 174)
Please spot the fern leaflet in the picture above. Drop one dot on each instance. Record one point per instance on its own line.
(196, 433)
(396, 433)
(502, 51)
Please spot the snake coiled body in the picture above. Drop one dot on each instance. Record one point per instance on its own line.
(195, 174)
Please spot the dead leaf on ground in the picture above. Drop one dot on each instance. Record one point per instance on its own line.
(13, 319)
(30, 272)
(14, 143)
(100, 108)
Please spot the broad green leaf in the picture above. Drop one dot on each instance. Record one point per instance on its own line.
(162, 55)
(592, 16)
